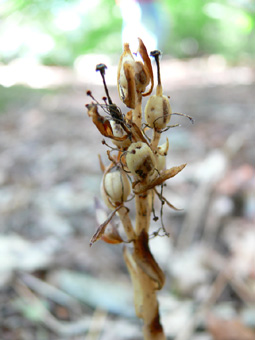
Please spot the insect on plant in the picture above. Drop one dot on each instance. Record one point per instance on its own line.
(137, 166)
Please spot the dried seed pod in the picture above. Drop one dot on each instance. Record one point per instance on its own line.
(126, 78)
(147, 66)
(158, 112)
(134, 76)
(141, 161)
(115, 187)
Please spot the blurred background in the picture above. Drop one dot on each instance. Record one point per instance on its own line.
(52, 284)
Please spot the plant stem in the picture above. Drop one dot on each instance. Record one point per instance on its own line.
(127, 224)
(155, 140)
(144, 272)
(143, 212)
(145, 299)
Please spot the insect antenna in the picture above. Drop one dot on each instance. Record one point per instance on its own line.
(109, 146)
(105, 100)
(89, 93)
(105, 107)
(114, 111)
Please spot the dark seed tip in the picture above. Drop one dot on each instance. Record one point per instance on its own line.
(101, 68)
(155, 53)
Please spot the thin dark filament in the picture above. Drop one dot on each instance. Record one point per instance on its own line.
(106, 89)
(175, 113)
(106, 107)
(158, 70)
(161, 209)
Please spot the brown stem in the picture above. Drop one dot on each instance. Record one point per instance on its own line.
(146, 275)
(143, 212)
(145, 299)
(127, 224)
(152, 328)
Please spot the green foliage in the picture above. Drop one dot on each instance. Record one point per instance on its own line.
(58, 31)
(211, 27)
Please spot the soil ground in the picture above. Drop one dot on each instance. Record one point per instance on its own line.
(49, 179)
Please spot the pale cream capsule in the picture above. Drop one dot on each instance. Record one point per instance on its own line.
(115, 188)
(141, 161)
(158, 112)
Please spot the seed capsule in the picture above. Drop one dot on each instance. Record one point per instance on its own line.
(158, 112)
(115, 187)
(141, 161)
(134, 76)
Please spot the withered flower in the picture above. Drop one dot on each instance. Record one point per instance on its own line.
(137, 167)
(134, 76)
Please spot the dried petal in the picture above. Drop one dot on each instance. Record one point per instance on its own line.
(165, 175)
(100, 230)
(111, 235)
(126, 78)
(102, 123)
(129, 92)
(147, 63)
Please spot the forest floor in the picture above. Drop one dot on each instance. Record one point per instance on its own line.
(52, 284)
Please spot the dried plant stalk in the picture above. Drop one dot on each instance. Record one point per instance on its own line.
(145, 161)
